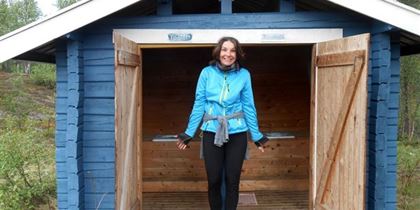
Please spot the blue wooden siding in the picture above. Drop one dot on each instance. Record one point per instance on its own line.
(98, 97)
(384, 80)
(75, 96)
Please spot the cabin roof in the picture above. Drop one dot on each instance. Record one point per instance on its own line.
(36, 41)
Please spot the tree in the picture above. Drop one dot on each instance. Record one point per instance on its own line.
(412, 3)
(410, 92)
(64, 3)
(15, 14)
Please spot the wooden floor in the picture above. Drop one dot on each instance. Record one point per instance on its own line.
(266, 200)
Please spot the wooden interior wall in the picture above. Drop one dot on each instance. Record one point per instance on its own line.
(280, 77)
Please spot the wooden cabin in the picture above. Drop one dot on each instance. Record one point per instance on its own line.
(326, 85)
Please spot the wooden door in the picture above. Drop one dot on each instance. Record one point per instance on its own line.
(128, 77)
(338, 123)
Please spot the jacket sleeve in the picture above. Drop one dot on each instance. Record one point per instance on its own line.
(247, 99)
(198, 109)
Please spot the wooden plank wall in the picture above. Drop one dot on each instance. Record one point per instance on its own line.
(384, 91)
(281, 88)
(61, 127)
(284, 167)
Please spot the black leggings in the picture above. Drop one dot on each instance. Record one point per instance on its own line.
(231, 155)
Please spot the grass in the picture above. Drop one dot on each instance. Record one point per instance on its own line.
(409, 175)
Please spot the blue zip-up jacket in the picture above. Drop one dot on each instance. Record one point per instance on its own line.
(224, 93)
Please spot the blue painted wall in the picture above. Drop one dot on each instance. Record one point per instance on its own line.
(97, 108)
(384, 90)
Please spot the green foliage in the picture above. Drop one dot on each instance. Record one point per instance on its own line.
(412, 3)
(27, 174)
(65, 3)
(26, 162)
(408, 176)
(17, 13)
(410, 98)
(14, 100)
(44, 75)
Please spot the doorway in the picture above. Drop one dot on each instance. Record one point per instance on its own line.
(288, 90)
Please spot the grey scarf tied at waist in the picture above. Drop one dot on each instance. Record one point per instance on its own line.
(222, 134)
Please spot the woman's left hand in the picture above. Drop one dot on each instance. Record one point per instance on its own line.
(180, 144)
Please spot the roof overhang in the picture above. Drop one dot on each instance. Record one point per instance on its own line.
(61, 23)
(36, 41)
(387, 11)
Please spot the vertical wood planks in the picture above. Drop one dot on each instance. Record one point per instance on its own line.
(339, 98)
(127, 123)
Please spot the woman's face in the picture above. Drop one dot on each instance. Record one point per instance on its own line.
(227, 53)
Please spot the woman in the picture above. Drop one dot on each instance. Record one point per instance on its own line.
(224, 102)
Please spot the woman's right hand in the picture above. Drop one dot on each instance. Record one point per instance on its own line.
(181, 146)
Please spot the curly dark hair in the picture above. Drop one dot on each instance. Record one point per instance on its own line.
(240, 55)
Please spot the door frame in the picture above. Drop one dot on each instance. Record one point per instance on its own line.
(178, 38)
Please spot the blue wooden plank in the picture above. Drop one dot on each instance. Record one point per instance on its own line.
(96, 41)
(99, 106)
(76, 199)
(74, 98)
(75, 81)
(287, 6)
(98, 123)
(99, 185)
(391, 193)
(238, 20)
(61, 89)
(60, 154)
(74, 119)
(391, 160)
(100, 201)
(61, 74)
(395, 86)
(381, 58)
(378, 109)
(99, 170)
(61, 122)
(73, 150)
(61, 169)
(99, 57)
(99, 73)
(99, 154)
(391, 121)
(381, 92)
(75, 183)
(381, 75)
(60, 138)
(98, 139)
(226, 7)
(395, 67)
(60, 105)
(99, 89)
(62, 185)
(164, 7)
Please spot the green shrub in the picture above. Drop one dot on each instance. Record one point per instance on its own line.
(43, 74)
(408, 176)
(27, 176)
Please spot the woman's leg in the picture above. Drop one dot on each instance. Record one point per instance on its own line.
(213, 159)
(235, 151)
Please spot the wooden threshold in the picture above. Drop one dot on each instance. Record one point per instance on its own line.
(266, 200)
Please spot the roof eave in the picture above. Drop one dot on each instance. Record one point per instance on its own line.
(57, 25)
(391, 12)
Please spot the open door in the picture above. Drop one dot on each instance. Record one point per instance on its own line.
(338, 123)
(128, 77)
